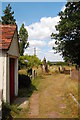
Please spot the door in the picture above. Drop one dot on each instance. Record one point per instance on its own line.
(12, 73)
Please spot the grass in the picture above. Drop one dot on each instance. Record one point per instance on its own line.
(22, 113)
(53, 89)
(9, 111)
(55, 93)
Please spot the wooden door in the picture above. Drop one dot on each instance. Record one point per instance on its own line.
(12, 73)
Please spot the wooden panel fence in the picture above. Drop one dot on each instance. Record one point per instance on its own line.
(75, 74)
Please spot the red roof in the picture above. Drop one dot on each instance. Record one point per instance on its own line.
(6, 35)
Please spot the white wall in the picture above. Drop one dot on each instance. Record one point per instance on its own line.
(3, 73)
(16, 76)
(13, 52)
(1, 69)
(1, 76)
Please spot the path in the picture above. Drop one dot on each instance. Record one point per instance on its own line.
(52, 99)
(34, 106)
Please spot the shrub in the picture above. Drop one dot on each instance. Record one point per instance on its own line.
(24, 80)
(29, 72)
(23, 71)
(6, 111)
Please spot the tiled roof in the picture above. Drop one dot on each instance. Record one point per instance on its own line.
(6, 35)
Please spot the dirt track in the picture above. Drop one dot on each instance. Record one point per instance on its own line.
(52, 99)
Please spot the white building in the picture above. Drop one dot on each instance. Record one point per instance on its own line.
(9, 53)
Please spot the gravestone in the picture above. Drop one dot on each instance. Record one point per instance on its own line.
(45, 67)
(59, 69)
(63, 69)
(34, 74)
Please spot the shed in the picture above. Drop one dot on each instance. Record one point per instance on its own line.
(9, 53)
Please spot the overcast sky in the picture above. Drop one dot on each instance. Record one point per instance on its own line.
(40, 20)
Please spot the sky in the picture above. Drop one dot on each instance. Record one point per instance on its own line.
(40, 19)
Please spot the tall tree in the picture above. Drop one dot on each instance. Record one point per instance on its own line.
(68, 37)
(8, 17)
(23, 39)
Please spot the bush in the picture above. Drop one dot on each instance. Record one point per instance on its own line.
(24, 80)
(29, 72)
(6, 111)
(22, 71)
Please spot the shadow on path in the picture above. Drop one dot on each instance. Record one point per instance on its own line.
(23, 97)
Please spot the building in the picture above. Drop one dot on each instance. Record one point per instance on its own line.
(9, 53)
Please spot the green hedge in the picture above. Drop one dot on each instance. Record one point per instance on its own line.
(24, 80)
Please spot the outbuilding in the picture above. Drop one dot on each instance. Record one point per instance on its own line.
(9, 53)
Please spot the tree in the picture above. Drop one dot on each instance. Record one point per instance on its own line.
(23, 39)
(8, 17)
(68, 36)
(33, 60)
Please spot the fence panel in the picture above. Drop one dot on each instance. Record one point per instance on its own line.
(75, 75)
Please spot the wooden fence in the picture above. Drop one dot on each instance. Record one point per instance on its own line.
(75, 74)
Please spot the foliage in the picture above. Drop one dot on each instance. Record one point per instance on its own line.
(26, 91)
(24, 80)
(49, 63)
(62, 63)
(29, 72)
(6, 111)
(23, 39)
(22, 71)
(32, 61)
(8, 17)
(68, 36)
(57, 63)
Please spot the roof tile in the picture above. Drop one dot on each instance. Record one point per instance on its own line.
(6, 35)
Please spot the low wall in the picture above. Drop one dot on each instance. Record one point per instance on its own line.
(75, 75)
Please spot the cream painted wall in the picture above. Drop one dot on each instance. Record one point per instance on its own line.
(3, 73)
(1, 69)
(13, 52)
(16, 76)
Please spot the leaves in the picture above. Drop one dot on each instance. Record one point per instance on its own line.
(23, 39)
(68, 38)
(32, 61)
(8, 17)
